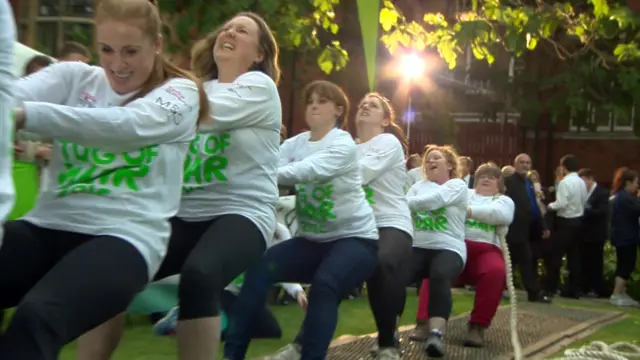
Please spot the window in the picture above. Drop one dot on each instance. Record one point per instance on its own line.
(46, 24)
(601, 120)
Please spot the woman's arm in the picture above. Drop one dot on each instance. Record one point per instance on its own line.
(452, 192)
(157, 118)
(498, 212)
(381, 156)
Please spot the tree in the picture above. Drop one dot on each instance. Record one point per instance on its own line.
(594, 45)
(297, 24)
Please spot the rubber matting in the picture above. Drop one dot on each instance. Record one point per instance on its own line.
(537, 323)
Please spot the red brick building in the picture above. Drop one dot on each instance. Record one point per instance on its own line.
(447, 111)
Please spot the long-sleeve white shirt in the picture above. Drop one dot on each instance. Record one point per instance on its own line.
(116, 170)
(232, 164)
(7, 39)
(330, 201)
(439, 213)
(414, 175)
(490, 217)
(383, 176)
(571, 196)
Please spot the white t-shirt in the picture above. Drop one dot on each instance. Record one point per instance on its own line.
(7, 39)
(414, 175)
(490, 218)
(383, 174)
(232, 165)
(118, 170)
(439, 213)
(330, 201)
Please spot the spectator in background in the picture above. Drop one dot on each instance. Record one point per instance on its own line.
(625, 232)
(594, 231)
(508, 171)
(73, 51)
(571, 196)
(415, 172)
(37, 63)
(466, 168)
(527, 222)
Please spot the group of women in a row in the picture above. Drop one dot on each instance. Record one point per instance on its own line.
(156, 173)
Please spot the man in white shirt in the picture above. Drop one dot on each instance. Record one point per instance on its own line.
(571, 197)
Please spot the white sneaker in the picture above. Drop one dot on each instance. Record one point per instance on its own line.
(289, 352)
(388, 354)
(622, 300)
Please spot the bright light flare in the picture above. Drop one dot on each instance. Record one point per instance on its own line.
(412, 66)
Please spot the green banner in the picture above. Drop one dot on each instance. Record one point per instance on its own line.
(368, 13)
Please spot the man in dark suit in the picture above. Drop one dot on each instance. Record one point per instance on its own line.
(595, 226)
(466, 168)
(527, 222)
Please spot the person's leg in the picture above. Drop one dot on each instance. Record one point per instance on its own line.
(387, 287)
(349, 262)
(294, 260)
(419, 271)
(25, 257)
(586, 275)
(626, 257)
(597, 269)
(561, 239)
(64, 305)
(265, 327)
(226, 249)
(573, 258)
(423, 302)
(445, 266)
(101, 342)
(488, 273)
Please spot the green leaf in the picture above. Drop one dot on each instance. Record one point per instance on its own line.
(532, 42)
(325, 62)
(388, 18)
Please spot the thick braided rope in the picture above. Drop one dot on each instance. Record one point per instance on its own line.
(515, 341)
(598, 350)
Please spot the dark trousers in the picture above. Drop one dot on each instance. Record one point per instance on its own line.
(566, 241)
(332, 268)
(592, 255)
(265, 327)
(63, 284)
(522, 259)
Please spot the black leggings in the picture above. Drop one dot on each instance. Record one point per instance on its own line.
(442, 268)
(626, 258)
(387, 287)
(265, 327)
(208, 255)
(63, 284)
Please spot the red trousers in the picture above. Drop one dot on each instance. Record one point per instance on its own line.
(485, 269)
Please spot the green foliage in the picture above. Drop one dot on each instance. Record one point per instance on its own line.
(296, 24)
(593, 46)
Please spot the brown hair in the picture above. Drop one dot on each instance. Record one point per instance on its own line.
(72, 47)
(36, 63)
(331, 92)
(147, 16)
(204, 65)
(490, 170)
(449, 153)
(588, 173)
(622, 176)
(410, 160)
(393, 128)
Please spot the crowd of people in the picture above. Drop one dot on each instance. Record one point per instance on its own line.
(155, 171)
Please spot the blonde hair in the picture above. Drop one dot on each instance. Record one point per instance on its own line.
(204, 65)
(449, 153)
(146, 15)
(533, 173)
(493, 170)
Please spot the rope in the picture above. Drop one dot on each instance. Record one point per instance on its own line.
(598, 350)
(515, 341)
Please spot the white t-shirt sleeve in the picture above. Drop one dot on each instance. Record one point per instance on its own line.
(292, 289)
(244, 103)
(52, 84)
(165, 114)
(322, 165)
(381, 156)
(7, 40)
(498, 212)
(286, 151)
(452, 192)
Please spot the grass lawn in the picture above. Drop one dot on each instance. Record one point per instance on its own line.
(355, 319)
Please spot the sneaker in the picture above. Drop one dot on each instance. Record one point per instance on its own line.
(289, 352)
(475, 336)
(622, 300)
(434, 345)
(420, 332)
(167, 325)
(388, 354)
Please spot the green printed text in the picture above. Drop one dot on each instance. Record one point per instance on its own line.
(314, 207)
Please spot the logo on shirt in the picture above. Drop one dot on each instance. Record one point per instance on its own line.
(87, 100)
(435, 220)
(206, 161)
